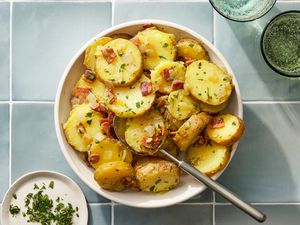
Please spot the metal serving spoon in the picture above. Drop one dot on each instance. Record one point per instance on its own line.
(119, 128)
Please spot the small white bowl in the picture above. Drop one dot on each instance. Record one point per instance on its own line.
(188, 187)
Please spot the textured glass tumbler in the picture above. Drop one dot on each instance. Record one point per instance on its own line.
(242, 10)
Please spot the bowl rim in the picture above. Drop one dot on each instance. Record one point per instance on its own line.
(242, 20)
(60, 134)
(280, 72)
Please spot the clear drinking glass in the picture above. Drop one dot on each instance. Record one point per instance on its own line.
(280, 43)
(242, 10)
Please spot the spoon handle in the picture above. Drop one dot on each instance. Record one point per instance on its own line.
(230, 196)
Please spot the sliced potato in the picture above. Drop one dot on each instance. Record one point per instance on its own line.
(146, 129)
(90, 58)
(181, 106)
(172, 124)
(96, 87)
(108, 150)
(111, 175)
(121, 35)
(156, 46)
(130, 101)
(170, 146)
(208, 158)
(156, 175)
(188, 133)
(82, 126)
(125, 68)
(192, 49)
(225, 129)
(212, 108)
(165, 73)
(208, 83)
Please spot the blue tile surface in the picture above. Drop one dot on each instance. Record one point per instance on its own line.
(276, 215)
(99, 214)
(195, 15)
(4, 149)
(45, 38)
(4, 50)
(35, 146)
(174, 215)
(266, 165)
(240, 44)
(206, 196)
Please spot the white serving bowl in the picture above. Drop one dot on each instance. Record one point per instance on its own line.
(188, 187)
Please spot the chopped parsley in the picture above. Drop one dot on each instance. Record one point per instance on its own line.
(89, 122)
(161, 57)
(165, 45)
(119, 53)
(89, 114)
(138, 105)
(152, 188)
(234, 123)
(199, 65)
(14, 196)
(191, 45)
(40, 208)
(122, 67)
(51, 185)
(14, 210)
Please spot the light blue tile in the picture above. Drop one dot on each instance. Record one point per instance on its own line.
(266, 165)
(99, 214)
(195, 15)
(240, 44)
(174, 215)
(35, 146)
(206, 196)
(4, 50)
(276, 215)
(45, 38)
(4, 149)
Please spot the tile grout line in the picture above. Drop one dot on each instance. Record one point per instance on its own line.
(112, 13)
(112, 216)
(10, 96)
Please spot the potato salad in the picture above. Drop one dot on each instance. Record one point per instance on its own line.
(171, 96)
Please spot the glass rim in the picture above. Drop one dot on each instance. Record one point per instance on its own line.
(236, 20)
(262, 49)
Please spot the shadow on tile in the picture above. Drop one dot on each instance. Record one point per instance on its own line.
(259, 78)
(265, 166)
(99, 214)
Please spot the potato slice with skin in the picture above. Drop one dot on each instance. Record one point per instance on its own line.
(212, 108)
(208, 158)
(156, 175)
(89, 58)
(225, 129)
(121, 35)
(208, 83)
(108, 150)
(111, 175)
(172, 124)
(156, 46)
(188, 133)
(150, 125)
(126, 67)
(165, 73)
(192, 49)
(129, 100)
(97, 87)
(181, 106)
(82, 126)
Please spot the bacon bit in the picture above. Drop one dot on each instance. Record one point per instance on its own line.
(82, 92)
(177, 84)
(89, 76)
(93, 158)
(109, 55)
(162, 105)
(166, 73)
(131, 183)
(86, 159)
(105, 127)
(201, 140)
(147, 73)
(111, 95)
(217, 123)
(187, 61)
(151, 143)
(135, 41)
(107, 124)
(146, 88)
(148, 25)
(172, 133)
(101, 109)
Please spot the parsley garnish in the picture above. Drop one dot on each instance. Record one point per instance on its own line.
(89, 122)
(161, 57)
(138, 105)
(14, 210)
(51, 185)
(191, 45)
(89, 114)
(122, 67)
(14, 196)
(165, 45)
